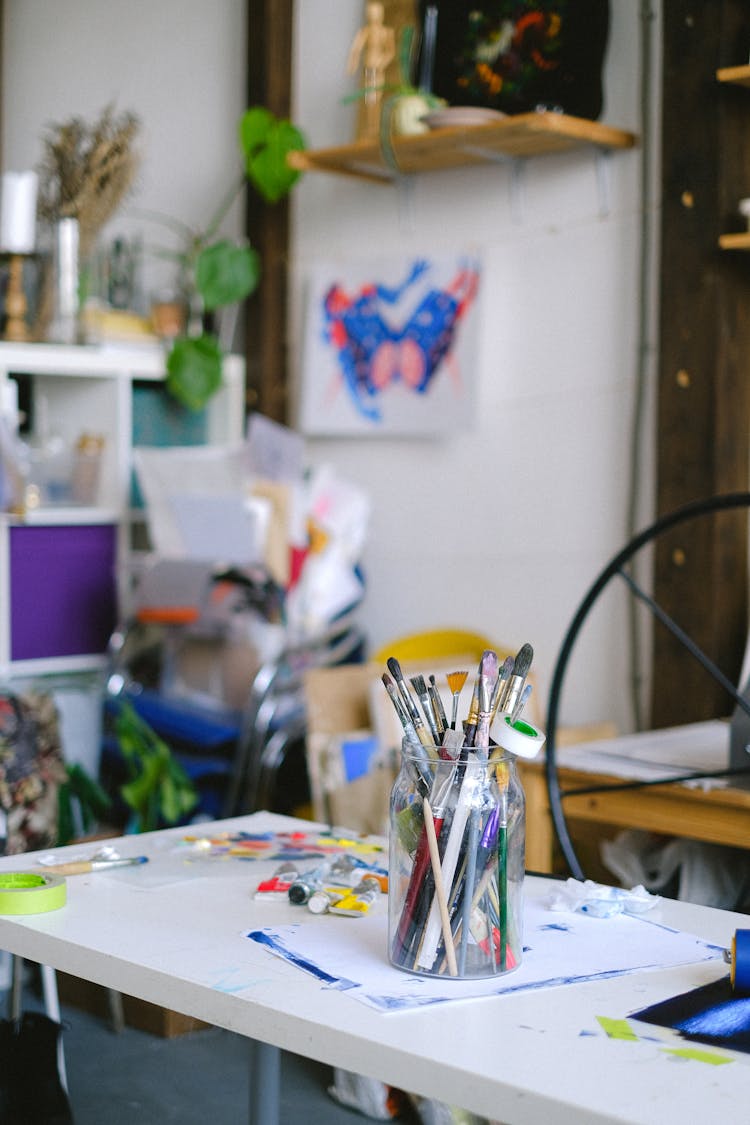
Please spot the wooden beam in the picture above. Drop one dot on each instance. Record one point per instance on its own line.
(269, 83)
(701, 571)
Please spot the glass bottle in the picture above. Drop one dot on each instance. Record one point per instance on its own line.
(456, 863)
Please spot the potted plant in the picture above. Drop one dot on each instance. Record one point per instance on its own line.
(158, 791)
(218, 271)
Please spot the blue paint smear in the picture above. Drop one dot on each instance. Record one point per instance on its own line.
(275, 945)
(721, 1019)
(399, 1003)
(555, 926)
(710, 1014)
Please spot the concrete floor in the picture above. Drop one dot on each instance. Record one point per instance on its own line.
(135, 1078)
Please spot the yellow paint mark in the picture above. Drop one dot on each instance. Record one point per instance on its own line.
(697, 1055)
(616, 1029)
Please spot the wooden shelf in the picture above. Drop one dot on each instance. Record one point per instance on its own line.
(523, 135)
(737, 75)
(738, 241)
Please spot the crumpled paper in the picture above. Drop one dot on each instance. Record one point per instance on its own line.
(600, 901)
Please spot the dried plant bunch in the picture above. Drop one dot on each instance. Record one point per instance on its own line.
(87, 170)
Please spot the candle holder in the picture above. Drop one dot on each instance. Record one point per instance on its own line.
(18, 192)
(16, 328)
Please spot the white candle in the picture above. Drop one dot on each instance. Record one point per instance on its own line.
(18, 212)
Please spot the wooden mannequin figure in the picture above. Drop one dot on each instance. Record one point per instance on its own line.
(375, 45)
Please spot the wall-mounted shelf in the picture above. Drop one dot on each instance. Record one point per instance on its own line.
(737, 241)
(522, 135)
(737, 75)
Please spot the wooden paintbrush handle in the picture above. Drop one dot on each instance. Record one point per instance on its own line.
(78, 867)
(445, 922)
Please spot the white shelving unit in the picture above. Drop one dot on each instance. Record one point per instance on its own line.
(62, 568)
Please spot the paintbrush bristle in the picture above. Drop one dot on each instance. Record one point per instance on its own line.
(394, 668)
(419, 685)
(507, 669)
(456, 681)
(488, 666)
(523, 660)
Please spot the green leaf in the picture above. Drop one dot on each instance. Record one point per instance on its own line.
(88, 792)
(194, 370)
(266, 141)
(137, 792)
(65, 824)
(255, 125)
(159, 790)
(226, 273)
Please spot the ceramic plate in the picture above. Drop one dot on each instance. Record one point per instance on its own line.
(461, 115)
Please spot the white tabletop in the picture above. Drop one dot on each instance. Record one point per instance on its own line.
(528, 1058)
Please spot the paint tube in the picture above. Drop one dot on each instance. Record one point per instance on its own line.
(360, 900)
(320, 901)
(277, 887)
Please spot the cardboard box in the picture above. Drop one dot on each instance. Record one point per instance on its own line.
(140, 1014)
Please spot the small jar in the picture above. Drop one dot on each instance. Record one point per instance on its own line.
(456, 864)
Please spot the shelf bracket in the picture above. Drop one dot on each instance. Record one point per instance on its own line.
(602, 159)
(516, 165)
(405, 189)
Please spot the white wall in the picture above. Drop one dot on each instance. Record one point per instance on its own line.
(179, 65)
(501, 529)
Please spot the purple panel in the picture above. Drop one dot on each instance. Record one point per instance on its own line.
(63, 590)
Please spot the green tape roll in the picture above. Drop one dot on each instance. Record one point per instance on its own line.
(26, 892)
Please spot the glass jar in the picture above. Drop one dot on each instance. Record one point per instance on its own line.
(456, 864)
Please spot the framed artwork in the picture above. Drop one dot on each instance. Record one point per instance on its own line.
(389, 347)
(517, 55)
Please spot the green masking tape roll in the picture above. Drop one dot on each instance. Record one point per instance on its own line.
(26, 892)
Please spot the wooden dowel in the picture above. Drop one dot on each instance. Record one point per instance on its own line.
(450, 949)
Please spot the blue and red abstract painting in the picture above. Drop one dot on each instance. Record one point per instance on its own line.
(390, 349)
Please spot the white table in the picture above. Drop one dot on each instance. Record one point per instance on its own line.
(529, 1058)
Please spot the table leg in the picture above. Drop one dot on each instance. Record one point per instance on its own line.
(265, 1079)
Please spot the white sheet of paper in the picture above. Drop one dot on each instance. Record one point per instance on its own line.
(560, 947)
(225, 528)
(671, 752)
(275, 451)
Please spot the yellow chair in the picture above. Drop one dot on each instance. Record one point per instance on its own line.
(439, 648)
(438, 644)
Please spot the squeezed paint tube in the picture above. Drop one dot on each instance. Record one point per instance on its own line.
(277, 887)
(320, 901)
(359, 901)
(344, 870)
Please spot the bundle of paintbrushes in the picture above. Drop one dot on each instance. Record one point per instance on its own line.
(457, 820)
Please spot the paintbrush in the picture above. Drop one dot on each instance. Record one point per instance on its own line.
(521, 666)
(488, 677)
(419, 891)
(470, 723)
(522, 701)
(501, 684)
(437, 874)
(470, 726)
(84, 866)
(403, 716)
(456, 681)
(465, 800)
(420, 687)
(413, 711)
(438, 705)
(424, 762)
